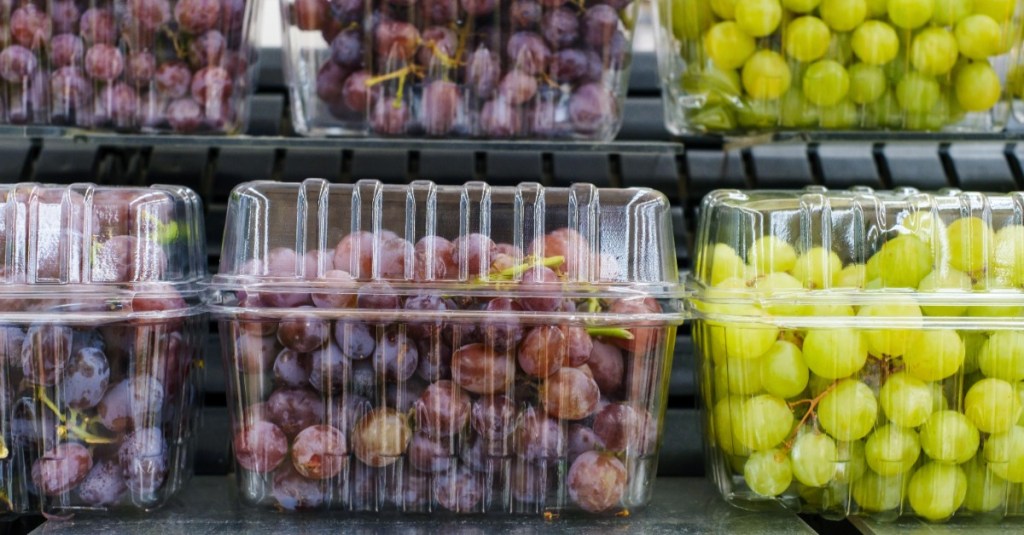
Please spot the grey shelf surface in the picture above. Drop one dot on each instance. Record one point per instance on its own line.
(210, 506)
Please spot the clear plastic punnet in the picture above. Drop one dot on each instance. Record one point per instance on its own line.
(447, 349)
(154, 66)
(741, 67)
(523, 69)
(101, 330)
(862, 352)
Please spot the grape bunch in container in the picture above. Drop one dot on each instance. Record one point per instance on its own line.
(862, 353)
(447, 349)
(101, 330)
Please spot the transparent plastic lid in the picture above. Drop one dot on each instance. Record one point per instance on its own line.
(812, 255)
(320, 238)
(97, 249)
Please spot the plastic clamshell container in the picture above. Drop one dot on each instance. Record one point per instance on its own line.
(101, 330)
(762, 66)
(151, 66)
(466, 349)
(859, 351)
(458, 68)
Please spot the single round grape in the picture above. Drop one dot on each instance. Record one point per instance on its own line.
(45, 352)
(892, 450)
(61, 468)
(978, 37)
(144, 460)
(771, 254)
(528, 52)
(18, 63)
(816, 267)
(768, 473)
(64, 14)
(525, 14)
(726, 420)
(458, 489)
(867, 83)
(302, 332)
(561, 27)
(293, 492)
(85, 378)
(813, 459)
(935, 355)
(907, 401)
(625, 428)
(597, 481)
(948, 436)
(104, 485)
(934, 51)
(805, 39)
(765, 422)
(977, 86)
(766, 75)
(876, 493)
(381, 437)
(294, 409)
(347, 48)
(569, 394)
(892, 342)
(985, 490)
(592, 107)
(992, 405)
(517, 87)
(849, 411)
(826, 83)
(970, 244)
(758, 18)
(482, 371)
(949, 12)
(728, 45)
(539, 438)
(843, 15)
(581, 440)
(999, 10)
(875, 42)
(1004, 453)
(1002, 356)
(483, 72)
(542, 351)
(29, 26)
(910, 14)
(442, 410)
(198, 16)
(835, 353)
(260, 446)
(493, 417)
(937, 490)
(184, 115)
(319, 452)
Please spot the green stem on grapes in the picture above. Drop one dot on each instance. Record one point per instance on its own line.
(460, 48)
(400, 73)
(77, 424)
(4, 452)
(446, 60)
(84, 434)
(179, 50)
(593, 305)
(529, 262)
(813, 404)
(610, 332)
(41, 394)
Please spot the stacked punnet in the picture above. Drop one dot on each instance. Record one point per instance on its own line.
(863, 352)
(101, 330)
(459, 68)
(425, 348)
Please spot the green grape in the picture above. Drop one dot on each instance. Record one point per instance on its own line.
(797, 112)
(725, 9)
(1002, 356)
(973, 340)
(774, 282)
(934, 119)
(724, 417)
(995, 309)
(843, 15)
(725, 264)
(834, 353)
(851, 276)
(849, 411)
(935, 355)
(985, 490)
(757, 114)
(766, 75)
(937, 490)
(690, 18)
(945, 279)
(800, 6)
(738, 376)
(934, 51)
(977, 87)
(999, 10)
(978, 36)
(992, 405)
(892, 450)
(840, 116)
(813, 458)
(917, 93)
(905, 260)
(875, 42)
(948, 12)
(867, 83)
(765, 422)
(806, 38)
(907, 401)
(1009, 255)
(768, 473)
(878, 9)
(891, 342)
(718, 86)
(1005, 454)
(758, 18)
(949, 437)
(840, 48)
(1020, 394)
(970, 244)
(738, 340)
(783, 371)
(885, 113)
(910, 14)
(852, 464)
(826, 82)
(930, 229)
(1015, 81)
(728, 46)
(817, 267)
(829, 309)
(771, 254)
(713, 118)
(876, 493)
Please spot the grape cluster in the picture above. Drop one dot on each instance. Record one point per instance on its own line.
(889, 406)
(128, 65)
(844, 64)
(362, 391)
(465, 68)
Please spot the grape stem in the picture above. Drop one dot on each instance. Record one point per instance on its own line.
(77, 425)
(610, 332)
(528, 262)
(41, 394)
(4, 452)
(812, 404)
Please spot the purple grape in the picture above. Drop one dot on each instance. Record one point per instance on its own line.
(207, 50)
(498, 119)
(539, 438)
(600, 23)
(328, 369)
(319, 452)
(517, 87)
(528, 52)
(531, 483)
(294, 409)
(427, 302)
(30, 27)
(45, 353)
(291, 369)
(65, 50)
(493, 417)
(133, 402)
(579, 345)
(623, 428)
(431, 455)
(479, 8)
(103, 485)
(61, 469)
(64, 14)
(197, 16)
(144, 462)
(458, 489)
(437, 38)
(173, 79)
(17, 63)
(254, 353)
(294, 492)
(560, 27)
(347, 11)
(212, 85)
(442, 410)
(148, 15)
(301, 331)
(85, 378)
(597, 481)
(97, 26)
(396, 357)
(118, 103)
(356, 340)
(339, 294)
(525, 14)
(581, 440)
(260, 446)
(569, 65)
(355, 94)
(347, 48)
(184, 115)
(391, 257)
(440, 11)
(483, 72)
(141, 68)
(396, 40)
(389, 119)
(435, 360)
(377, 296)
(592, 108)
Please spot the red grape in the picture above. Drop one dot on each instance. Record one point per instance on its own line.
(560, 27)
(607, 366)
(302, 332)
(30, 27)
(184, 115)
(65, 15)
(542, 351)
(440, 107)
(291, 369)
(389, 116)
(103, 485)
(442, 410)
(539, 438)
(483, 72)
(591, 108)
(197, 16)
(458, 489)
(355, 93)
(579, 345)
(528, 52)
(61, 468)
(207, 50)
(260, 446)
(17, 63)
(396, 40)
(437, 38)
(481, 370)
(212, 84)
(396, 357)
(97, 26)
(294, 492)
(319, 452)
(622, 427)
(330, 80)
(525, 14)
(581, 440)
(310, 14)
(517, 87)
(570, 395)
(294, 409)
(597, 481)
(493, 418)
